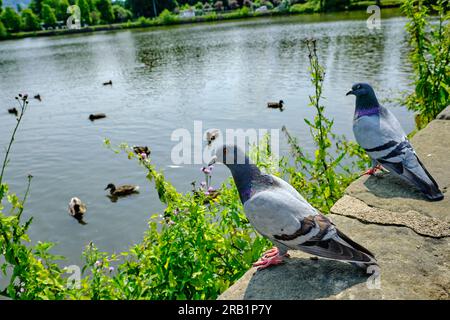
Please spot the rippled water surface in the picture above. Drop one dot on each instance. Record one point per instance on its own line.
(164, 79)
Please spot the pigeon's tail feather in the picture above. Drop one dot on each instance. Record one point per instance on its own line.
(355, 245)
(428, 189)
(433, 192)
(417, 175)
(340, 247)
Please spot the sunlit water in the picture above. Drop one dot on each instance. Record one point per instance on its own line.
(164, 79)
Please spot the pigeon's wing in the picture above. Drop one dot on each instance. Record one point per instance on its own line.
(404, 162)
(378, 135)
(284, 218)
(288, 188)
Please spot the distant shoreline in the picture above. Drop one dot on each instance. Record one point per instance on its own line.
(151, 23)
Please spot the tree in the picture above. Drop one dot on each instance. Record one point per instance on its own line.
(141, 8)
(3, 32)
(85, 11)
(95, 17)
(105, 9)
(30, 21)
(1, 4)
(11, 19)
(48, 16)
(91, 4)
(121, 14)
(61, 10)
(36, 6)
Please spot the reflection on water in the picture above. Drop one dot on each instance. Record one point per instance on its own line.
(164, 79)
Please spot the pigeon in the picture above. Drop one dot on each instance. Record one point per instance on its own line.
(380, 134)
(278, 212)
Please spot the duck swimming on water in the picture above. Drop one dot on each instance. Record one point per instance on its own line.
(77, 209)
(13, 111)
(96, 116)
(120, 191)
(276, 105)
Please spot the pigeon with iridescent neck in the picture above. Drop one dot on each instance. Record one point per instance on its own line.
(278, 212)
(379, 133)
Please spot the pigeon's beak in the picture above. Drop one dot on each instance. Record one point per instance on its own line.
(106, 188)
(349, 93)
(212, 161)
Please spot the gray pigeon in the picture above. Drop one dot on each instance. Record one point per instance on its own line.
(379, 133)
(278, 212)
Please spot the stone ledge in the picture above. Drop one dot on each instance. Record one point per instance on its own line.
(445, 114)
(412, 267)
(427, 226)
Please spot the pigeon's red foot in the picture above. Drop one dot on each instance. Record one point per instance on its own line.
(372, 171)
(271, 257)
(270, 253)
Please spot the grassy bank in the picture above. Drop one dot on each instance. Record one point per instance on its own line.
(167, 18)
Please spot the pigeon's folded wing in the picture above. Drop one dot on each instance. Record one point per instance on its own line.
(285, 219)
(282, 217)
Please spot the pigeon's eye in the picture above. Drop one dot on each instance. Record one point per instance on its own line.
(358, 87)
(224, 151)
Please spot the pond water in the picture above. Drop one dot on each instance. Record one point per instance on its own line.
(164, 79)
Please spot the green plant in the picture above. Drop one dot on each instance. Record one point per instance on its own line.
(308, 7)
(166, 17)
(430, 56)
(322, 178)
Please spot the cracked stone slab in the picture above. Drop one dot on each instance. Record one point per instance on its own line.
(423, 225)
(393, 194)
(411, 267)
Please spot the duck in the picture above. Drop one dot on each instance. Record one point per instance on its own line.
(276, 105)
(109, 83)
(121, 190)
(77, 209)
(211, 136)
(13, 111)
(38, 97)
(96, 116)
(140, 150)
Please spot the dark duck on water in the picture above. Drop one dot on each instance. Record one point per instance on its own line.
(276, 105)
